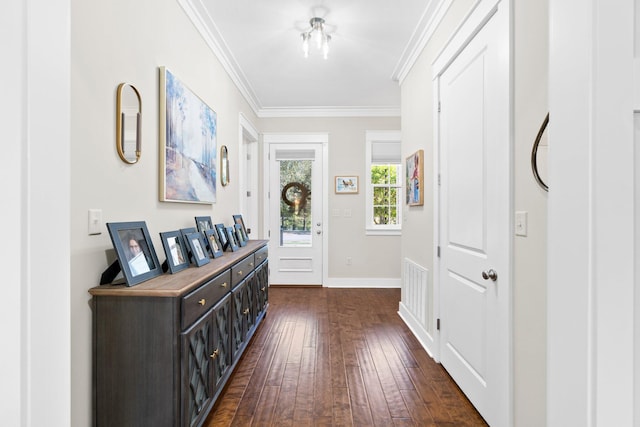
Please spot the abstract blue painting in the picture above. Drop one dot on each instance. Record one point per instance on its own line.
(188, 144)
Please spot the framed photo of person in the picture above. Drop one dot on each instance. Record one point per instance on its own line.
(198, 248)
(134, 248)
(240, 235)
(222, 236)
(215, 248)
(203, 223)
(237, 219)
(175, 250)
(231, 237)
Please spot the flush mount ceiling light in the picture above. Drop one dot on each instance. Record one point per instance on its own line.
(320, 38)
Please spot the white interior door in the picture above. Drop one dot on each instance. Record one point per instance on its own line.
(475, 227)
(296, 214)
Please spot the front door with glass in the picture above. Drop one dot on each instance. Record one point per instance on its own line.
(295, 207)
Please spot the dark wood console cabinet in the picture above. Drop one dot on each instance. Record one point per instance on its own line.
(164, 349)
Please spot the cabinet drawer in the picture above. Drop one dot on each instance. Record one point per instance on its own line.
(206, 296)
(242, 270)
(261, 255)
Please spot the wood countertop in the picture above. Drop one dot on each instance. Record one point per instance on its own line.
(173, 285)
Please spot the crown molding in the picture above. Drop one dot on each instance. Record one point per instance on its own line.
(270, 112)
(429, 21)
(207, 28)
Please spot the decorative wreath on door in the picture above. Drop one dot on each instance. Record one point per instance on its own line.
(298, 188)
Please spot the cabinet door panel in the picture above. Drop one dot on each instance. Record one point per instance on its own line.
(197, 385)
(221, 355)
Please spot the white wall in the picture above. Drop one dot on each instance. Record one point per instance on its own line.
(530, 104)
(35, 360)
(529, 270)
(372, 256)
(591, 214)
(122, 41)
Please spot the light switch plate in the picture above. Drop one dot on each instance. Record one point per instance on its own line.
(521, 223)
(95, 221)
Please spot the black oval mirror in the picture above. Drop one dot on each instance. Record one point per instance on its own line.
(539, 155)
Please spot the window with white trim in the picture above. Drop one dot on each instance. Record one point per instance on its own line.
(383, 183)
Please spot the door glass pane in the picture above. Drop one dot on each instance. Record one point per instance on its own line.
(295, 203)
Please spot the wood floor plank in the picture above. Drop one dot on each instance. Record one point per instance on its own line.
(360, 409)
(338, 357)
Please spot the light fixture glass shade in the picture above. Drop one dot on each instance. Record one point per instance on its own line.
(317, 33)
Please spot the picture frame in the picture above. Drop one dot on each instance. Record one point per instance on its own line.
(346, 184)
(237, 219)
(240, 235)
(175, 251)
(222, 236)
(198, 248)
(415, 179)
(134, 249)
(231, 237)
(188, 144)
(184, 232)
(214, 245)
(203, 223)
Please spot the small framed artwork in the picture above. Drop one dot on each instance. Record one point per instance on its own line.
(346, 185)
(134, 248)
(240, 235)
(198, 249)
(215, 248)
(237, 219)
(231, 237)
(222, 236)
(203, 223)
(175, 250)
(415, 179)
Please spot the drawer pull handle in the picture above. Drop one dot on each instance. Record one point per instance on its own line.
(215, 353)
(240, 273)
(224, 285)
(202, 301)
(263, 289)
(250, 264)
(246, 311)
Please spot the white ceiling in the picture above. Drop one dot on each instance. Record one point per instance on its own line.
(259, 43)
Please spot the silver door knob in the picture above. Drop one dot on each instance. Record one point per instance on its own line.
(490, 274)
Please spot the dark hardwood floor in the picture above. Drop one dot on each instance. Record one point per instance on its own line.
(339, 357)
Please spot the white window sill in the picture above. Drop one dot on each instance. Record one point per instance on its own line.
(383, 232)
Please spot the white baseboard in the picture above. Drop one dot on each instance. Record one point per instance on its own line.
(421, 334)
(354, 282)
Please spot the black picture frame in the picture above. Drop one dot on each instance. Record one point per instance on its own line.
(240, 238)
(237, 219)
(203, 223)
(213, 243)
(231, 236)
(185, 232)
(175, 250)
(222, 236)
(198, 248)
(134, 248)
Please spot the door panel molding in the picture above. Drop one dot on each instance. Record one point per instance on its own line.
(492, 392)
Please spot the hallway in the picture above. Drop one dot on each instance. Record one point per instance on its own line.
(328, 357)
